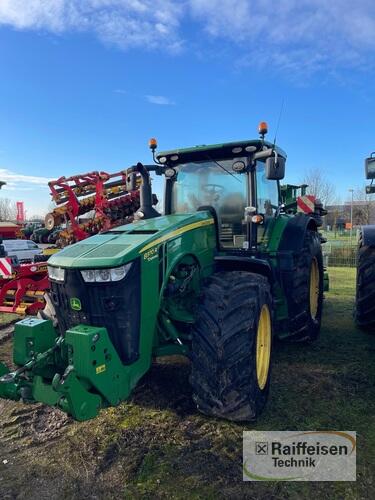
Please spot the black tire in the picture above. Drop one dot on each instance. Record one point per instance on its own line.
(224, 346)
(305, 323)
(364, 312)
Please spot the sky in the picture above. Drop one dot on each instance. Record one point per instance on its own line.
(85, 83)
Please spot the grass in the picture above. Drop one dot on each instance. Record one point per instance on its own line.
(340, 236)
(157, 445)
(6, 319)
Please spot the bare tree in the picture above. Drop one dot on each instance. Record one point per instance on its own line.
(363, 207)
(36, 218)
(8, 210)
(320, 186)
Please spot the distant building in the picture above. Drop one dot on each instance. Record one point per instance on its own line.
(339, 215)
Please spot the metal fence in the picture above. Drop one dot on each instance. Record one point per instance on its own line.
(340, 254)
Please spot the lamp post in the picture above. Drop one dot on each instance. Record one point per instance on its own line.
(351, 215)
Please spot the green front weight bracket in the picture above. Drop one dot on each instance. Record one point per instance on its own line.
(33, 348)
(32, 336)
(95, 376)
(75, 399)
(80, 372)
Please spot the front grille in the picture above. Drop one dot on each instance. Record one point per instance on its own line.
(114, 305)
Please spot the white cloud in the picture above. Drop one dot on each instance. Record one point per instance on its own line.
(160, 100)
(124, 23)
(224, 18)
(32, 189)
(17, 188)
(288, 35)
(300, 36)
(23, 14)
(289, 21)
(13, 179)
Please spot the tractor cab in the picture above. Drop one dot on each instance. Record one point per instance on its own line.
(238, 182)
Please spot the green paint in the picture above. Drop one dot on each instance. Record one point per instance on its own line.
(81, 371)
(32, 336)
(123, 244)
(75, 304)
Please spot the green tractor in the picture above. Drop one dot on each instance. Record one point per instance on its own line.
(226, 270)
(364, 313)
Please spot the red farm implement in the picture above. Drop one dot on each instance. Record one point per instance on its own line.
(85, 205)
(109, 198)
(22, 287)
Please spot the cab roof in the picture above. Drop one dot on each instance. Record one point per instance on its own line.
(218, 151)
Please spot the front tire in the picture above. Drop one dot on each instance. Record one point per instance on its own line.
(232, 346)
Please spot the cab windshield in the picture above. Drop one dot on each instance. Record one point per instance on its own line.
(215, 184)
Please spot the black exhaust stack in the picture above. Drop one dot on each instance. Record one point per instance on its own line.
(146, 208)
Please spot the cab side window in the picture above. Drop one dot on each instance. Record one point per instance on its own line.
(267, 193)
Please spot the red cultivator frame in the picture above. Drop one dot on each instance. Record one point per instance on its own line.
(113, 201)
(22, 290)
(109, 196)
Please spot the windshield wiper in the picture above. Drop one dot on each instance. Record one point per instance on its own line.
(223, 168)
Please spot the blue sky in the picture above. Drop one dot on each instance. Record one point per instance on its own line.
(85, 83)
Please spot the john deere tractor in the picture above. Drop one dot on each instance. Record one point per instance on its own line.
(223, 272)
(365, 297)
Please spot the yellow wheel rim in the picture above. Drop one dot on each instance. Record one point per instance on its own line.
(263, 354)
(314, 288)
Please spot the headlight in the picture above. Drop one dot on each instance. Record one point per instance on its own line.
(56, 273)
(105, 275)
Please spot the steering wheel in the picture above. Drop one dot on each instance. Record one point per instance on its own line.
(212, 189)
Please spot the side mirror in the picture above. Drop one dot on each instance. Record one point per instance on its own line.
(275, 168)
(370, 167)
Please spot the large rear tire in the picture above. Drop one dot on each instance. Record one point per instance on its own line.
(232, 345)
(305, 298)
(364, 312)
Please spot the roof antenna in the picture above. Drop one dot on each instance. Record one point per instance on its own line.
(278, 121)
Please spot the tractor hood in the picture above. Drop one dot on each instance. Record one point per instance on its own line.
(125, 243)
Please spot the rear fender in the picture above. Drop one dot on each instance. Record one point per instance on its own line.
(294, 234)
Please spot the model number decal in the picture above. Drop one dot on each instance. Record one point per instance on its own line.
(151, 254)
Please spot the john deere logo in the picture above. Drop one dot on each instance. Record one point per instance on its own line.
(75, 304)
